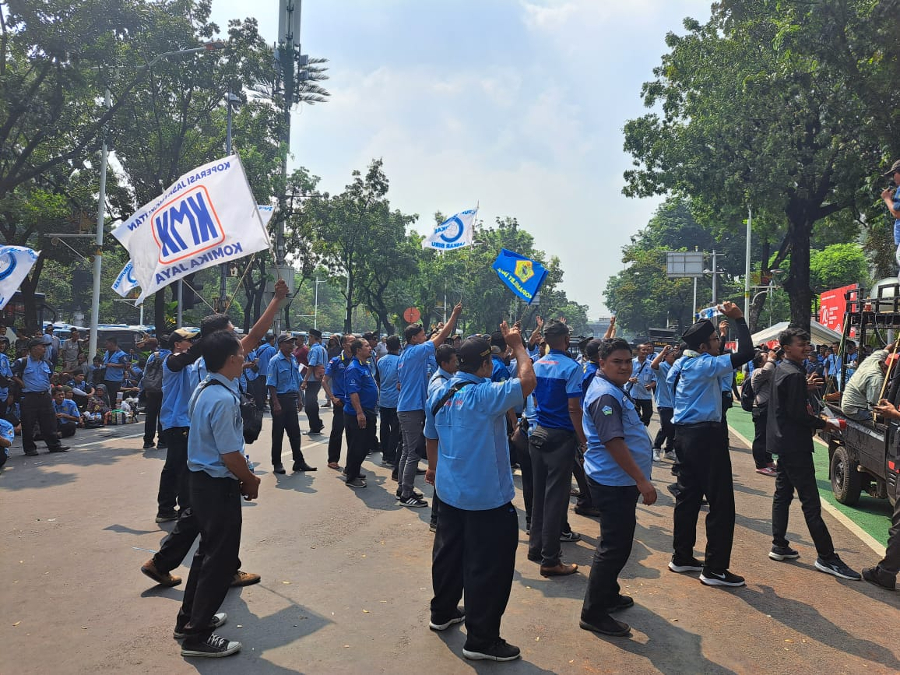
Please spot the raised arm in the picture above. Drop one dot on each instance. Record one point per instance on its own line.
(524, 367)
(444, 333)
(251, 340)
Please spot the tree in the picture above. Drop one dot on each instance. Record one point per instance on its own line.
(750, 118)
(838, 265)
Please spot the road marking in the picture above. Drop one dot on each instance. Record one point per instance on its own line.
(842, 518)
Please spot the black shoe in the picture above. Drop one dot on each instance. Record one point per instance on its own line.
(356, 483)
(623, 602)
(415, 493)
(166, 516)
(682, 566)
(606, 625)
(783, 553)
(60, 448)
(213, 647)
(459, 617)
(31, 453)
(217, 620)
(413, 502)
(673, 489)
(303, 466)
(421, 472)
(279, 468)
(876, 575)
(147, 446)
(161, 446)
(838, 568)
(709, 577)
(536, 558)
(501, 650)
(588, 511)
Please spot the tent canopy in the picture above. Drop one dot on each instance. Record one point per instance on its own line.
(820, 334)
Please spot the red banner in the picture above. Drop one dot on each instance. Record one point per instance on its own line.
(833, 305)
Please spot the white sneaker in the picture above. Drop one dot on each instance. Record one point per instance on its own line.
(657, 455)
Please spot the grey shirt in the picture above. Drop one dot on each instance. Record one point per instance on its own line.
(761, 381)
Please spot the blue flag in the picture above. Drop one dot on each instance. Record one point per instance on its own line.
(524, 276)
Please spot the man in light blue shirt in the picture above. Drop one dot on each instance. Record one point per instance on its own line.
(312, 380)
(386, 373)
(219, 476)
(468, 463)
(115, 361)
(665, 404)
(264, 353)
(32, 374)
(701, 444)
(618, 464)
(412, 371)
(283, 382)
(642, 382)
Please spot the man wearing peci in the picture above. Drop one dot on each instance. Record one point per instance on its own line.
(283, 383)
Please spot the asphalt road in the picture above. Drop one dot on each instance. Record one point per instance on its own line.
(346, 583)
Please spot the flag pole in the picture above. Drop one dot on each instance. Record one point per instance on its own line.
(259, 217)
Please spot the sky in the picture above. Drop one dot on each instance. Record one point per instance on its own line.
(518, 105)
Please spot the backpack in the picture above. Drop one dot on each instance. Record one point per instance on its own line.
(153, 375)
(747, 395)
(250, 414)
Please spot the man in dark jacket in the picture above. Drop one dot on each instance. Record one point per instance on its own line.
(789, 430)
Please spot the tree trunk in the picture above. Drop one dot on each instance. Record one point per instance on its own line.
(348, 316)
(759, 302)
(797, 284)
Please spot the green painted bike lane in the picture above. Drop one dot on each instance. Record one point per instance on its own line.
(871, 515)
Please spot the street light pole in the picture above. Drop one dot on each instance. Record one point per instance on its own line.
(747, 264)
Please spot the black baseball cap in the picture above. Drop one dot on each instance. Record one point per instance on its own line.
(473, 351)
(285, 337)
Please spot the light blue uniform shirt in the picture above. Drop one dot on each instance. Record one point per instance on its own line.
(115, 374)
(473, 471)
(177, 389)
(558, 380)
(645, 375)
(216, 427)
(283, 374)
(317, 357)
(6, 371)
(438, 381)
(388, 378)
(664, 397)
(8, 432)
(413, 374)
(36, 375)
(265, 354)
(67, 407)
(609, 413)
(590, 372)
(698, 396)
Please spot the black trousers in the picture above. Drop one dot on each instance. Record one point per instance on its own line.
(618, 519)
(358, 441)
(796, 471)
(891, 561)
(288, 420)
(217, 508)
(66, 428)
(552, 458)
(112, 389)
(390, 434)
(584, 500)
(645, 409)
(258, 391)
(311, 405)
(704, 469)
(151, 416)
(173, 481)
(337, 434)
(37, 408)
(527, 478)
(761, 458)
(177, 544)
(666, 433)
(474, 553)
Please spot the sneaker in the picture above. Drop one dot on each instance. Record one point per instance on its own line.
(413, 502)
(167, 579)
(213, 647)
(356, 483)
(783, 553)
(682, 566)
(415, 493)
(166, 516)
(501, 650)
(838, 568)
(570, 536)
(244, 579)
(217, 620)
(876, 575)
(767, 471)
(724, 578)
(432, 527)
(607, 626)
(657, 454)
(670, 455)
(459, 617)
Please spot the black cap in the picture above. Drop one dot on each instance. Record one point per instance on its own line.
(699, 333)
(554, 328)
(473, 351)
(285, 337)
(315, 332)
(36, 342)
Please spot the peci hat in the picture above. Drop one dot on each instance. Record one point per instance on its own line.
(473, 351)
(285, 337)
(554, 328)
(315, 332)
(895, 167)
(699, 333)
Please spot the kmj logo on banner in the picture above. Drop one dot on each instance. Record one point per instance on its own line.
(186, 226)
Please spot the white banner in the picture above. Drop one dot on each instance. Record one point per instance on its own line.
(207, 217)
(15, 264)
(125, 281)
(455, 232)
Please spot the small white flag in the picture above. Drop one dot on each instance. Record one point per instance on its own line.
(206, 218)
(125, 281)
(455, 232)
(15, 264)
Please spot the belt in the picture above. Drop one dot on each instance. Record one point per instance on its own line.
(35, 393)
(698, 424)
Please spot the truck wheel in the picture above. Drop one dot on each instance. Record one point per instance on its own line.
(846, 483)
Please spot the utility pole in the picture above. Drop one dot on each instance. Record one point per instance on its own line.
(223, 268)
(747, 264)
(715, 271)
